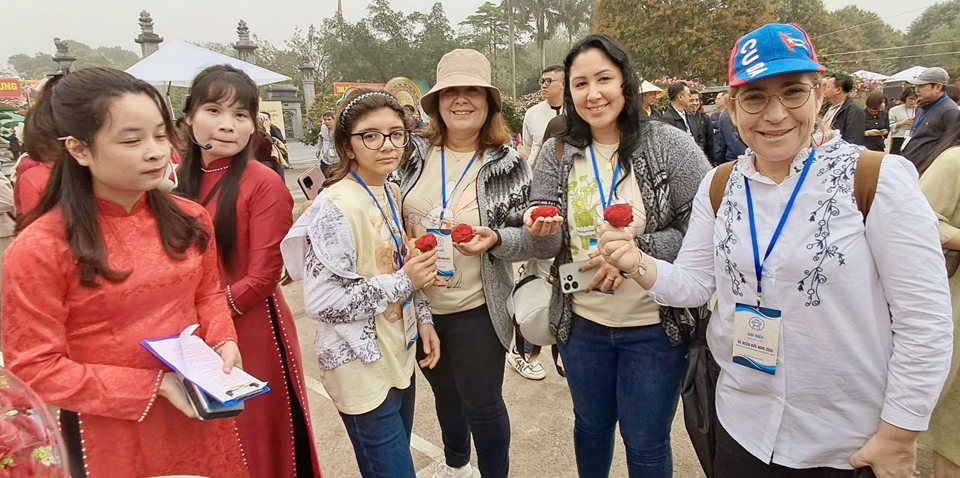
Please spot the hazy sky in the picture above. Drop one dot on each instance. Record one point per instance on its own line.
(30, 26)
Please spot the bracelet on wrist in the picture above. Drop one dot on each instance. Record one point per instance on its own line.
(641, 267)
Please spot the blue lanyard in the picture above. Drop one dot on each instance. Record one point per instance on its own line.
(919, 120)
(783, 220)
(443, 185)
(596, 173)
(393, 211)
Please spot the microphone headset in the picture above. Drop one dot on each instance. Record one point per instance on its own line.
(186, 108)
(166, 184)
(205, 147)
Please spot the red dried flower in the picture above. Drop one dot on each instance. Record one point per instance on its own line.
(462, 233)
(618, 215)
(426, 242)
(544, 211)
(11, 399)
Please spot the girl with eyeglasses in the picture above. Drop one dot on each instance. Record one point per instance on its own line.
(361, 281)
(832, 326)
(252, 211)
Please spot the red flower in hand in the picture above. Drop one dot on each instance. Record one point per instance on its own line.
(543, 211)
(618, 215)
(462, 233)
(426, 242)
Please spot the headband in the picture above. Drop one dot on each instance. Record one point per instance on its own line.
(354, 101)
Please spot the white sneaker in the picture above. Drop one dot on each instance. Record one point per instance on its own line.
(530, 370)
(446, 471)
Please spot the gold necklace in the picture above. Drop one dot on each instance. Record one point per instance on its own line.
(606, 161)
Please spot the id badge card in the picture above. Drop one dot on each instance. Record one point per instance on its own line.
(444, 252)
(756, 337)
(411, 332)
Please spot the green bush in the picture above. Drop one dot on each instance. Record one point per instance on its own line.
(512, 114)
(321, 103)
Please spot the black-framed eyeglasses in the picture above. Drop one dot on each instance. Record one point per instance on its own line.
(546, 81)
(374, 139)
(791, 97)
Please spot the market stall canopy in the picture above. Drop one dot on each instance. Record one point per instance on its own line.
(177, 63)
(908, 74)
(869, 75)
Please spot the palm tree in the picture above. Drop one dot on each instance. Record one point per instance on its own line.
(545, 19)
(572, 15)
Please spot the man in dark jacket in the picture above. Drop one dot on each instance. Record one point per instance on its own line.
(676, 113)
(727, 144)
(700, 125)
(843, 113)
(936, 113)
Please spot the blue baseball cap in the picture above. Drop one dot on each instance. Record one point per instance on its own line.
(770, 50)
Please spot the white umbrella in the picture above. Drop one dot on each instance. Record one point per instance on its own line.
(868, 75)
(177, 63)
(908, 74)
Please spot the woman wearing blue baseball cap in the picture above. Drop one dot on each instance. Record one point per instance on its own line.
(833, 326)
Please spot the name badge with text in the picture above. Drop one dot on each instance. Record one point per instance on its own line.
(756, 337)
(444, 252)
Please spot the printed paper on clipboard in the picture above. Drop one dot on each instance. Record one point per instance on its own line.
(191, 357)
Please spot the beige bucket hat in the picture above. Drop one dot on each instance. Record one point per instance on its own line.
(647, 87)
(461, 67)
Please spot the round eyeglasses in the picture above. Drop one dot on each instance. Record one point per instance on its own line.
(791, 97)
(374, 139)
(546, 81)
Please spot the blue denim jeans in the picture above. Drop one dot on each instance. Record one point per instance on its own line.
(381, 437)
(630, 375)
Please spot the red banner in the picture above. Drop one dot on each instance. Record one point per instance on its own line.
(340, 87)
(10, 88)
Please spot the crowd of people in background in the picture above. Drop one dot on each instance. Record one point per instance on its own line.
(835, 349)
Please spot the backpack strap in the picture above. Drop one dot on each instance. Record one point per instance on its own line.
(719, 183)
(865, 180)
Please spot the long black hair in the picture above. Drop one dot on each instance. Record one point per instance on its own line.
(631, 119)
(215, 84)
(77, 104)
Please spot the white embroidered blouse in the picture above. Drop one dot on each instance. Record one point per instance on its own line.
(866, 332)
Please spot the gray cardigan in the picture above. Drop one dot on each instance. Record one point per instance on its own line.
(668, 166)
(503, 185)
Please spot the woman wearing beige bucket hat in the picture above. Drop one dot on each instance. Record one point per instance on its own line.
(461, 173)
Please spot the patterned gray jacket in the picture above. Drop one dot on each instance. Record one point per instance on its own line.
(668, 166)
(503, 185)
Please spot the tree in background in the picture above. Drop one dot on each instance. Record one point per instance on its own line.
(691, 39)
(859, 40)
(545, 18)
(574, 16)
(922, 31)
(41, 64)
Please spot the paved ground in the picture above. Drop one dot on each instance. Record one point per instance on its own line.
(541, 413)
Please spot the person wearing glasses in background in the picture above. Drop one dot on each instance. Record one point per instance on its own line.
(536, 119)
(837, 361)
